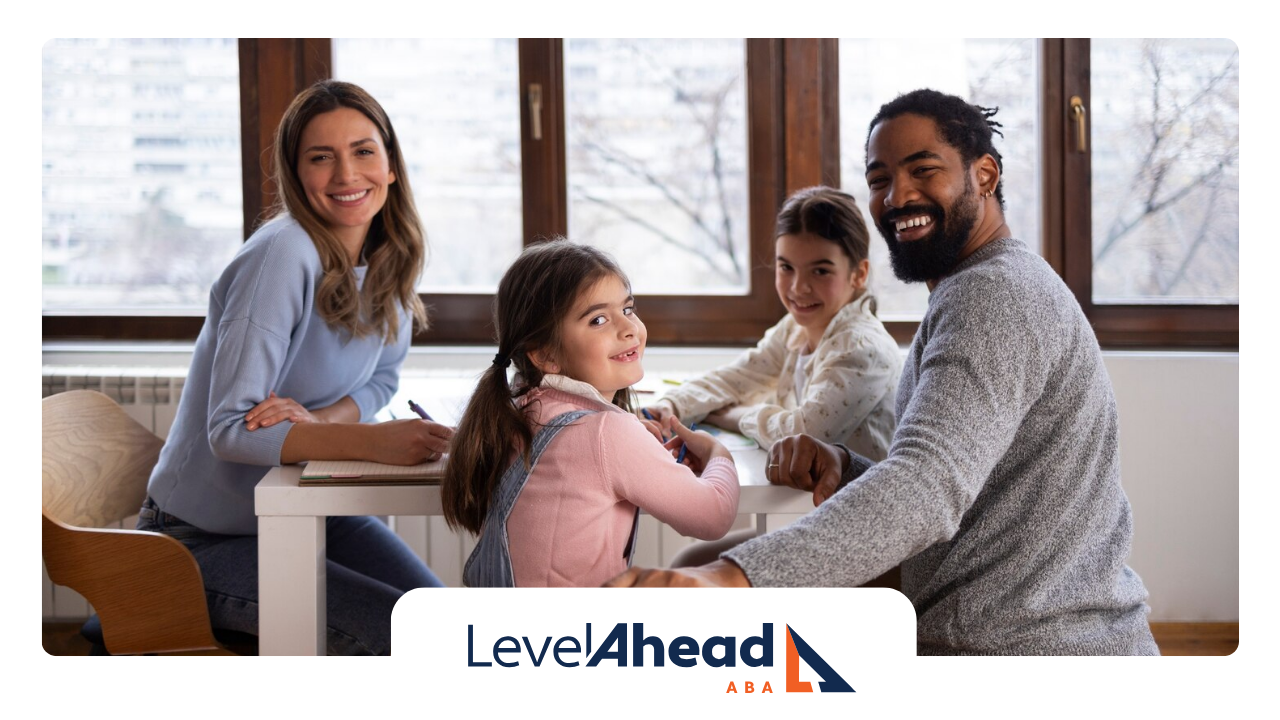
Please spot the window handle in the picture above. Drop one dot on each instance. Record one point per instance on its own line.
(1078, 115)
(535, 110)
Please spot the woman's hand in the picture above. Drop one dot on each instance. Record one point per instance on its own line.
(702, 447)
(806, 463)
(720, 573)
(408, 442)
(276, 409)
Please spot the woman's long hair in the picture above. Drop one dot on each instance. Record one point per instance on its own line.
(537, 292)
(395, 248)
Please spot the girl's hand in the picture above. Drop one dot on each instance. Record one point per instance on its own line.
(276, 409)
(654, 419)
(658, 412)
(654, 429)
(702, 447)
(729, 418)
(408, 442)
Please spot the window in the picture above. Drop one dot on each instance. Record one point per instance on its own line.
(657, 151)
(673, 154)
(1166, 171)
(1141, 186)
(141, 183)
(657, 158)
(991, 73)
(455, 108)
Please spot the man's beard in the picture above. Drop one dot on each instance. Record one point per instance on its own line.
(935, 254)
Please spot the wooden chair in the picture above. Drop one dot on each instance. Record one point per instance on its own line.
(145, 587)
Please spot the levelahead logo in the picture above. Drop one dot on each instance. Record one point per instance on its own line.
(684, 651)
(698, 645)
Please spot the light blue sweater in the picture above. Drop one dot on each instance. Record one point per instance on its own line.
(262, 333)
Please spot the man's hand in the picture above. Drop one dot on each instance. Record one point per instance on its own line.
(806, 463)
(720, 573)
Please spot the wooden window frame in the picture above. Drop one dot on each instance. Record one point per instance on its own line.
(1068, 223)
(272, 72)
(793, 142)
(670, 319)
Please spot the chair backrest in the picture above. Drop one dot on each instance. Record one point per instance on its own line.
(97, 459)
(145, 587)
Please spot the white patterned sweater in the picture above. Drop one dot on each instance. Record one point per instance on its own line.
(849, 398)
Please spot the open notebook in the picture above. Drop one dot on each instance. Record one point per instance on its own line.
(357, 472)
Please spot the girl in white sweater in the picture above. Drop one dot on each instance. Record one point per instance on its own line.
(828, 368)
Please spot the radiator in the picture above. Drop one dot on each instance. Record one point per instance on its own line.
(150, 396)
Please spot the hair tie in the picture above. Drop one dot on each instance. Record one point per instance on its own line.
(502, 361)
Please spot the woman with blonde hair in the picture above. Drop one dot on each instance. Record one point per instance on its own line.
(306, 331)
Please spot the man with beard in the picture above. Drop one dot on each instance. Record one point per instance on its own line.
(1001, 493)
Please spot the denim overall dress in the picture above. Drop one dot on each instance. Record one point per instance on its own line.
(490, 562)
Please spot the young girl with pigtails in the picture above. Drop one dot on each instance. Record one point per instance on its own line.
(549, 464)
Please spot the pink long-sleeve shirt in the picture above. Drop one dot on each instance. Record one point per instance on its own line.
(573, 519)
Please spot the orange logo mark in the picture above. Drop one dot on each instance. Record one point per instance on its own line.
(794, 684)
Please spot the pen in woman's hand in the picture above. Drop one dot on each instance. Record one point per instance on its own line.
(418, 409)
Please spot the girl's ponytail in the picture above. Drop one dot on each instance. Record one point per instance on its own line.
(491, 431)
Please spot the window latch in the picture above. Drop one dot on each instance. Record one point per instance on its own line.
(535, 110)
(1078, 115)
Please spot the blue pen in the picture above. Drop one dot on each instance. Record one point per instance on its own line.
(418, 409)
(683, 448)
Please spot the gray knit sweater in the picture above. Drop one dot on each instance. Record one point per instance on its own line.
(1001, 494)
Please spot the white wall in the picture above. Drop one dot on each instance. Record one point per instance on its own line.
(1180, 465)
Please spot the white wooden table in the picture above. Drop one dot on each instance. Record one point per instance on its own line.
(291, 540)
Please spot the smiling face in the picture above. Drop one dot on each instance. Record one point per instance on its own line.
(923, 198)
(815, 278)
(345, 170)
(602, 340)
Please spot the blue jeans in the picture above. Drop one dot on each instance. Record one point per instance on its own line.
(368, 568)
